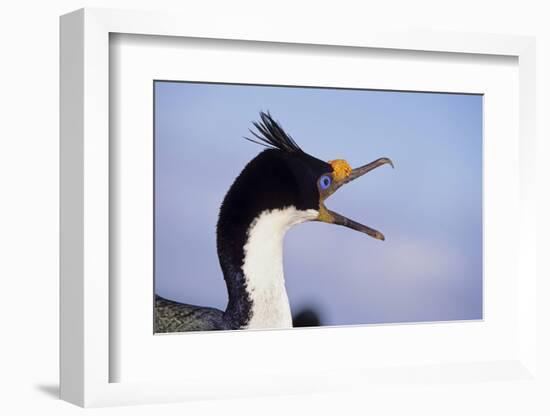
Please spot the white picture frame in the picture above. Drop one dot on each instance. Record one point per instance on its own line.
(86, 356)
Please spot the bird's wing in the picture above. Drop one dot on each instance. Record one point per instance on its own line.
(173, 316)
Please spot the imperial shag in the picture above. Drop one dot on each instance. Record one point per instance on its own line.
(281, 187)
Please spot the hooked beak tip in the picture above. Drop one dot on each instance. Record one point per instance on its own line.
(386, 161)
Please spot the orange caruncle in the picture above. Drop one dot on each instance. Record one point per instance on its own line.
(341, 169)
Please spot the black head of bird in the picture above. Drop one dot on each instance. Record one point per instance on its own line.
(284, 176)
(281, 187)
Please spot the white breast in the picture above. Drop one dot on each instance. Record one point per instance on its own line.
(263, 266)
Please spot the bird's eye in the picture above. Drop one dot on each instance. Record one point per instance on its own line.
(325, 182)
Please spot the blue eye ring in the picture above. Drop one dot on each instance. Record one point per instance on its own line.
(325, 181)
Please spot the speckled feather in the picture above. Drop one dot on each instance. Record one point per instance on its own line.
(173, 316)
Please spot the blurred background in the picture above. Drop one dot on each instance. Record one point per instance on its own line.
(429, 207)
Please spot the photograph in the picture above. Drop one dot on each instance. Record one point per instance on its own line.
(282, 206)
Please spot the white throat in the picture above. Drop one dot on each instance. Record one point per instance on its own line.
(263, 266)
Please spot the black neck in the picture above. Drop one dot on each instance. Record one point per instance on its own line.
(231, 256)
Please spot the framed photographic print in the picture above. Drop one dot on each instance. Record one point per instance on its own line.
(229, 208)
(429, 270)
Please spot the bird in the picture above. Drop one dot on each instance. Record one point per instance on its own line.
(281, 187)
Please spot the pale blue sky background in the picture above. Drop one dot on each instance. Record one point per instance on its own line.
(429, 207)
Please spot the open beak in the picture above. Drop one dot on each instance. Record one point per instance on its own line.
(332, 217)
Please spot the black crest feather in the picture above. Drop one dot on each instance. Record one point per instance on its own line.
(271, 134)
